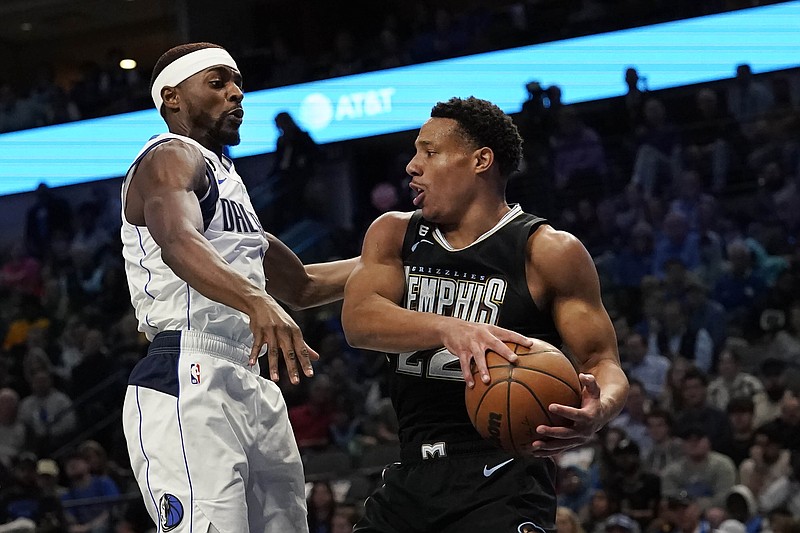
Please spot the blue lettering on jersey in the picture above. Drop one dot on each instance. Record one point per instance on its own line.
(236, 217)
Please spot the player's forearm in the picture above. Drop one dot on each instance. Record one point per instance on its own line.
(196, 262)
(376, 323)
(327, 281)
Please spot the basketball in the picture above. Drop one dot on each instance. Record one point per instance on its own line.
(508, 410)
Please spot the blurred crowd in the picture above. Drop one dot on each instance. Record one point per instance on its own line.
(338, 41)
(689, 201)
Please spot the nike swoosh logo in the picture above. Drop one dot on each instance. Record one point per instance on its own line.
(489, 471)
(220, 182)
(414, 246)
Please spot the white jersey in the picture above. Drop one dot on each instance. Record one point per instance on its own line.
(162, 300)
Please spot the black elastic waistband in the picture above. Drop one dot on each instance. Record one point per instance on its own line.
(426, 451)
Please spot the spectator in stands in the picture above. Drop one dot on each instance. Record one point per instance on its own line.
(579, 159)
(740, 512)
(48, 215)
(101, 466)
(740, 411)
(12, 431)
(344, 518)
(90, 236)
(637, 491)
(787, 423)
(703, 312)
(786, 343)
(658, 157)
(634, 100)
(704, 474)
(90, 380)
(21, 273)
(769, 460)
(574, 488)
(674, 338)
(294, 164)
(740, 287)
(29, 315)
(23, 500)
(650, 369)
(773, 376)
(47, 472)
(709, 139)
(731, 381)
(749, 99)
(672, 398)
(311, 421)
(47, 413)
(633, 418)
(676, 241)
(785, 492)
(666, 447)
(87, 517)
(567, 521)
(696, 411)
(600, 507)
(321, 507)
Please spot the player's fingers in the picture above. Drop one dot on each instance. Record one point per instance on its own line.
(285, 337)
(512, 336)
(303, 353)
(468, 366)
(273, 354)
(480, 363)
(590, 385)
(503, 350)
(258, 342)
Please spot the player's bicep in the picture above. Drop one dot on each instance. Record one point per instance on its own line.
(379, 271)
(575, 299)
(167, 181)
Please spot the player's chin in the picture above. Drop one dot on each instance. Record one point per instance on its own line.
(229, 137)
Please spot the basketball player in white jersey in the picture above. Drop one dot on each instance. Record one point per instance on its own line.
(209, 439)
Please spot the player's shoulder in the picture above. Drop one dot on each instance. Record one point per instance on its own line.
(388, 231)
(391, 221)
(174, 150)
(550, 248)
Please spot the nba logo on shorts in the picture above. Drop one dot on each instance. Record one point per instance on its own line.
(171, 512)
(195, 373)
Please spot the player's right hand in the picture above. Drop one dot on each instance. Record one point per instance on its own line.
(470, 341)
(272, 325)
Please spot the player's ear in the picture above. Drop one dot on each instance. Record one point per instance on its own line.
(484, 157)
(171, 98)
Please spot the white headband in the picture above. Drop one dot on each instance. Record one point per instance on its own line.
(187, 66)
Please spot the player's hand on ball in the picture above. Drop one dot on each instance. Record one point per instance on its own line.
(470, 341)
(582, 423)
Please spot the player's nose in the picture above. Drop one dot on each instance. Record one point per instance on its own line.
(412, 168)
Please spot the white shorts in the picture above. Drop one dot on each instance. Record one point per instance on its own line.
(210, 441)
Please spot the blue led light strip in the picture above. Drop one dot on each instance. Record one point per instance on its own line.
(586, 68)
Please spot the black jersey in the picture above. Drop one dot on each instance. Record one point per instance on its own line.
(484, 282)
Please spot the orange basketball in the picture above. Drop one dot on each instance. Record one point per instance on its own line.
(508, 410)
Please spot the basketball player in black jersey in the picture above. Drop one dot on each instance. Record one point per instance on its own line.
(439, 287)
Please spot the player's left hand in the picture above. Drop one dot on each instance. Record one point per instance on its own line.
(585, 422)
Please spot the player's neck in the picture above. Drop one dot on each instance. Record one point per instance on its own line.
(474, 222)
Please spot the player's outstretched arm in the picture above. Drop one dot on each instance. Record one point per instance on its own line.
(374, 318)
(302, 286)
(162, 196)
(587, 331)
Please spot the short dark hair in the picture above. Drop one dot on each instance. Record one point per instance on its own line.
(484, 124)
(663, 414)
(174, 53)
(695, 373)
(741, 404)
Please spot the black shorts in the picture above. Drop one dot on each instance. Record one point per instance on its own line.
(468, 490)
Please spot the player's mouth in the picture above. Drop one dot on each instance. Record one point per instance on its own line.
(236, 115)
(420, 194)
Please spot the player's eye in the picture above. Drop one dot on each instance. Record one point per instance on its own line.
(217, 84)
